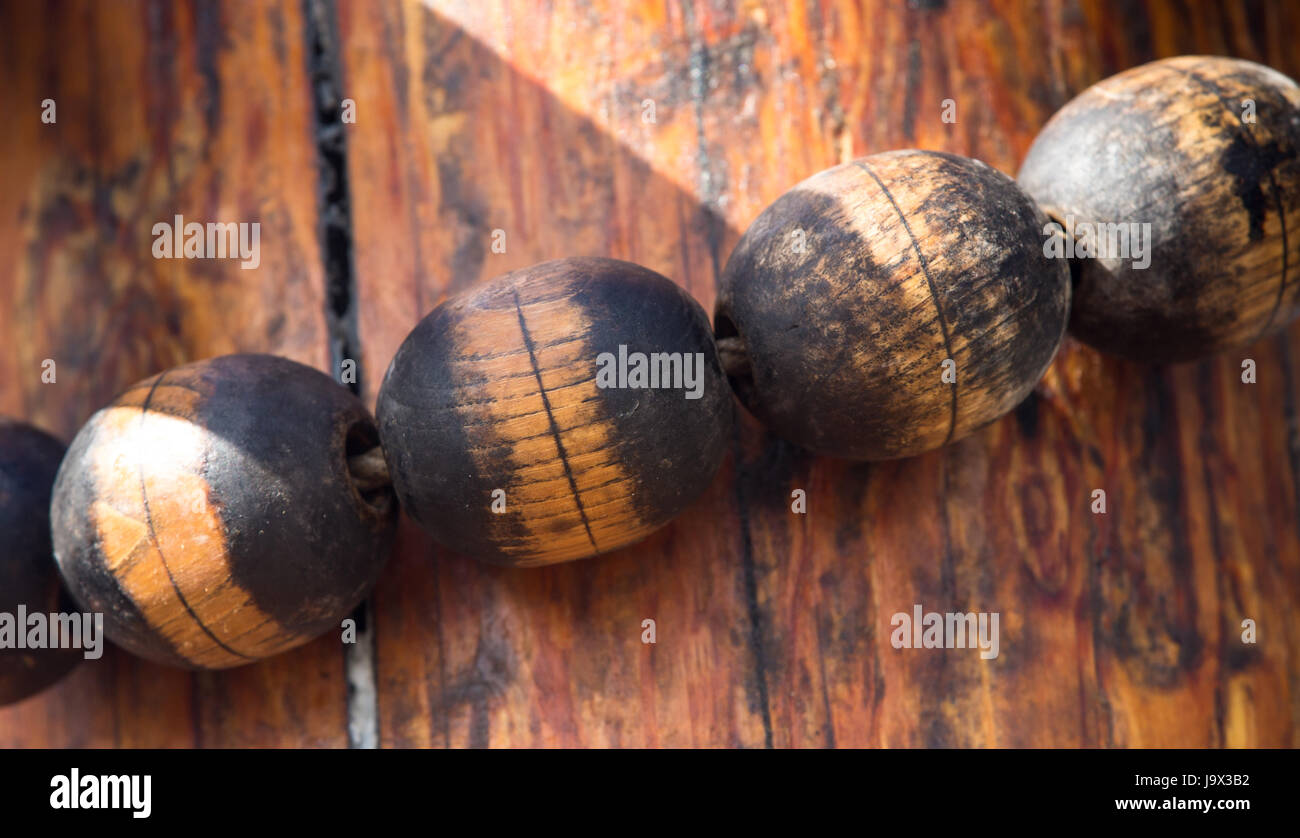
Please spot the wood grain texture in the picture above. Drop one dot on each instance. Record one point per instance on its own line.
(475, 655)
(892, 304)
(196, 109)
(1196, 160)
(1117, 629)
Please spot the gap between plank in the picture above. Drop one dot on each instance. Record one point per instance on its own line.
(334, 211)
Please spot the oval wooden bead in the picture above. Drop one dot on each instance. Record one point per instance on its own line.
(29, 578)
(504, 440)
(890, 305)
(211, 514)
(1171, 145)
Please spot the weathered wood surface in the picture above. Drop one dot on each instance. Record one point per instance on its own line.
(193, 109)
(773, 627)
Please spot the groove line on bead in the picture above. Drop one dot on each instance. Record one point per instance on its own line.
(929, 281)
(153, 534)
(555, 428)
(1240, 130)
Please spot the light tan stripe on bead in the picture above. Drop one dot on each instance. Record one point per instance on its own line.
(161, 536)
(901, 285)
(569, 494)
(1203, 129)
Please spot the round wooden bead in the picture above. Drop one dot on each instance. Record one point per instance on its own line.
(29, 578)
(518, 429)
(1198, 155)
(211, 512)
(890, 305)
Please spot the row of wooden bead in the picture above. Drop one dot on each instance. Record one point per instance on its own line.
(230, 509)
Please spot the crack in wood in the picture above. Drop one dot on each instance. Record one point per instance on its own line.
(708, 191)
(325, 74)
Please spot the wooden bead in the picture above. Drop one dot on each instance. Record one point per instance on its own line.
(890, 305)
(504, 438)
(1203, 150)
(211, 514)
(29, 578)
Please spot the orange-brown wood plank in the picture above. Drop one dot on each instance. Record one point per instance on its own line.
(1120, 629)
(453, 141)
(773, 627)
(202, 110)
(1117, 630)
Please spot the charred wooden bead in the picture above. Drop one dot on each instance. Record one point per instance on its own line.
(210, 511)
(29, 578)
(890, 305)
(1195, 158)
(517, 426)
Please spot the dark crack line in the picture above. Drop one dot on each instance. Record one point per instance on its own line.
(749, 577)
(698, 67)
(934, 294)
(334, 210)
(1208, 451)
(555, 427)
(699, 71)
(153, 535)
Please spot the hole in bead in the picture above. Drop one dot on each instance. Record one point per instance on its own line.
(367, 470)
(1074, 264)
(733, 356)
(1076, 273)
